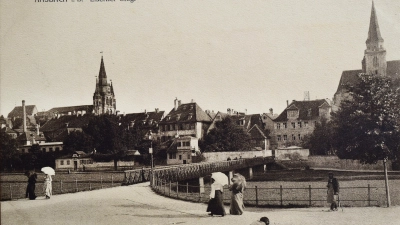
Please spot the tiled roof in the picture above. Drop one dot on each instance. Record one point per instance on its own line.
(148, 118)
(256, 132)
(66, 109)
(17, 111)
(72, 121)
(304, 107)
(189, 112)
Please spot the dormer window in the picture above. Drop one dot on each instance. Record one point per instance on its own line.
(190, 116)
(168, 118)
(309, 112)
(184, 107)
(191, 106)
(178, 116)
(292, 113)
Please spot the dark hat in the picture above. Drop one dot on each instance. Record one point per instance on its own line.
(265, 220)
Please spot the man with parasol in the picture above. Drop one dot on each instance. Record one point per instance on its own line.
(216, 204)
(48, 171)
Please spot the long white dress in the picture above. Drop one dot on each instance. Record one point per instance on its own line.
(47, 186)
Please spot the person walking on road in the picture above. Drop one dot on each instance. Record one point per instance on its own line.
(30, 189)
(47, 186)
(332, 192)
(237, 188)
(216, 205)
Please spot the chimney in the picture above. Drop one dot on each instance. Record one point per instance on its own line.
(37, 129)
(176, 104)
(271, 111)
(192, 100)
(179, 102)
(287, 102)
(24, 116)
(228, 111)
(156, 109)
(145, 111)
(245, 111)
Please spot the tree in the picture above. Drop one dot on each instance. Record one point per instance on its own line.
(320, 142)
(107, 136)
(226, 136)
(366, 127)
(78, 141)
(8, 154)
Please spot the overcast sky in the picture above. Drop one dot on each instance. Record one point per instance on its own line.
(240, 54)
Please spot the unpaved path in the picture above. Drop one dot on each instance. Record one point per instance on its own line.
(137, 204)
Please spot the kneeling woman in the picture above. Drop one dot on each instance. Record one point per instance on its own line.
(215, 205)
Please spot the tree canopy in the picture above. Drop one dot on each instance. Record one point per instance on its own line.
(320, 141)
(366, 126)
(226, 136)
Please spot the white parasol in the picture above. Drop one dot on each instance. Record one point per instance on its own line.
(220, 178)
(48, 170)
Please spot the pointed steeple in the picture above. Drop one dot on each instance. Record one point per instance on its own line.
(102, 72)
(97, 86)
(374, 34)
(111, 87)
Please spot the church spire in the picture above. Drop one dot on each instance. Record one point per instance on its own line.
(374, 34)
(102, 72)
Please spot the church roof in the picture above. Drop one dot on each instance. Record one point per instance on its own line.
(72, 109)
(17, 111)
(63, 121)
(304, 107)
(350, 77)
(149, 118)
(374, 33)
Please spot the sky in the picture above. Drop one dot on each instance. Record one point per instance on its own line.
(241, 54)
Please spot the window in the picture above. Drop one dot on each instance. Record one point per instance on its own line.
(43, 149)
(278, 126)
(50, 149)
(306, 124)
(284, 125)
(293, 137)
(171, 127)
(179, 144)
(62, 162)
(68, 162)
(192, 126)
(279, 138)
(299, 136)
(180, 157)
(292, 113)
(188, 156)
(299, 124)
(293, 125)
(172, 155)
(176, 127)
(285, 137)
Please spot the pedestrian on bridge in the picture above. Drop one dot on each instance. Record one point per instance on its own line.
(237, 188)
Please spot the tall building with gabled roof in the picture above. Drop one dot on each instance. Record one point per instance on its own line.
(373, 63)
(103, 98)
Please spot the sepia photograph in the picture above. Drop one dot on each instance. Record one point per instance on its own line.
(247, 112)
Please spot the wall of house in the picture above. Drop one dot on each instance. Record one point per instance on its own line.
(223, 156)
(289, 131)
(287, 154)
(185, 155)
(335, 163)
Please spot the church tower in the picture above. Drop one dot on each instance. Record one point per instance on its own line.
(374, 61)
(103, 97)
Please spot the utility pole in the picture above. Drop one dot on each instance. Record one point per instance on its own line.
(386, 182)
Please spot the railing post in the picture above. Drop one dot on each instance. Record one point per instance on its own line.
(101, 181)
(90, 185)
(187, 190)
(169, 188)
(61, 186)
(76, 184)
(10, 192)
(309, 195)
(281, 193)
(369, 195)
(112, 180)
(256, 196)
(177, 189)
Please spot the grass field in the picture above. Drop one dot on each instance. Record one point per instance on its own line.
(13, 186)
(296, 189)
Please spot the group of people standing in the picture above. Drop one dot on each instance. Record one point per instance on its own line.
(30, 189)
(215, 205)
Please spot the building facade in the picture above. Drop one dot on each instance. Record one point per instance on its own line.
(298, 120)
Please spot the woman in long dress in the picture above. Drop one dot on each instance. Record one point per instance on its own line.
(216, 205)
(237, 188)
(47, 186)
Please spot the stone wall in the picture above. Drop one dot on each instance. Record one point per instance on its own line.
(346, 164)
(223, 156)
(292, 154)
